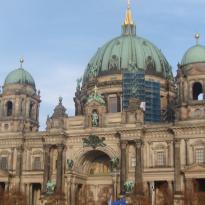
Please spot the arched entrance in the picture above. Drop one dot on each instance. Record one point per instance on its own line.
(97, 187)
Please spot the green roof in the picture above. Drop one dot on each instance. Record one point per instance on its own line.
(195, 54)
(128, 52)
(19, 76)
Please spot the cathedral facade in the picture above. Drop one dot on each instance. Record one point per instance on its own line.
(137, 129)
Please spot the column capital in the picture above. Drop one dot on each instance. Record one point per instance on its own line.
(186, 140)
(20, 149)
(138, 143)
(177, 142)
(60, 147)
(169, 142)
(123, 144)
(47, 147)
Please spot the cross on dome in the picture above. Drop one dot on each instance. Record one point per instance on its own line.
(129, 3)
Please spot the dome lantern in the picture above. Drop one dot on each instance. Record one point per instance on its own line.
(128, 28)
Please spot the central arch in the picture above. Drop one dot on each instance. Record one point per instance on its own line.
(97, 188)
(95, 162)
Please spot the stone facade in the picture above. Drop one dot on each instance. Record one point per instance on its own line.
(149, 154)
(94, 154)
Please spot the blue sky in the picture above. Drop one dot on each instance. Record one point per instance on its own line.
(58, 37)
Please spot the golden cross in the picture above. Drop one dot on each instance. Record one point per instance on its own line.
(129, 3)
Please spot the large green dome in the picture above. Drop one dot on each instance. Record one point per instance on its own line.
(128, 52)
(19, 76)
(195, 54)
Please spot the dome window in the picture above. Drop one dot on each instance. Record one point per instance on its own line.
(197, 91)
(9, 108)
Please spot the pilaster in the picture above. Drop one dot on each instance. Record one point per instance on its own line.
(59, 174)
(46, 175)
(138, 168)
(123, 172)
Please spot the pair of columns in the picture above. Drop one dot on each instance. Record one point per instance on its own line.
(47, 167)
(138, 167)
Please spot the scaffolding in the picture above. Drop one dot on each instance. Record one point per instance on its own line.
(135, 86)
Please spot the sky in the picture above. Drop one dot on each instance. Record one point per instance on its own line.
(57, 38)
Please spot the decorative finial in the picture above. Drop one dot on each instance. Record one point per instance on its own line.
(197, 37)
(128, 16)
(21, 62)
(60, 100)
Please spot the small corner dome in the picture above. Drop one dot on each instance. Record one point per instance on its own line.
(195, 54)
(20, 76)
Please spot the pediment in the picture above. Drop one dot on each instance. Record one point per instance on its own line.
(195, 168)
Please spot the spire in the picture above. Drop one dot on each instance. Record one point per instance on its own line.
(128, 16)
(128, 27)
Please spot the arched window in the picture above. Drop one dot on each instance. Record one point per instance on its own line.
(9, 108)
(197, 91)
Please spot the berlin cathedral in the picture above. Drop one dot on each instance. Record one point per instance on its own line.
(137, 128)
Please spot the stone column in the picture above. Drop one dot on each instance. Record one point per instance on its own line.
(114, 181)
(138, 168)
(27, 193)
(19, 162)
(68, 193)
(73, 189)
(123, 172)
(177, 163)
(59, 175)
(46, 175)
(170, 187)
(30, 194)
